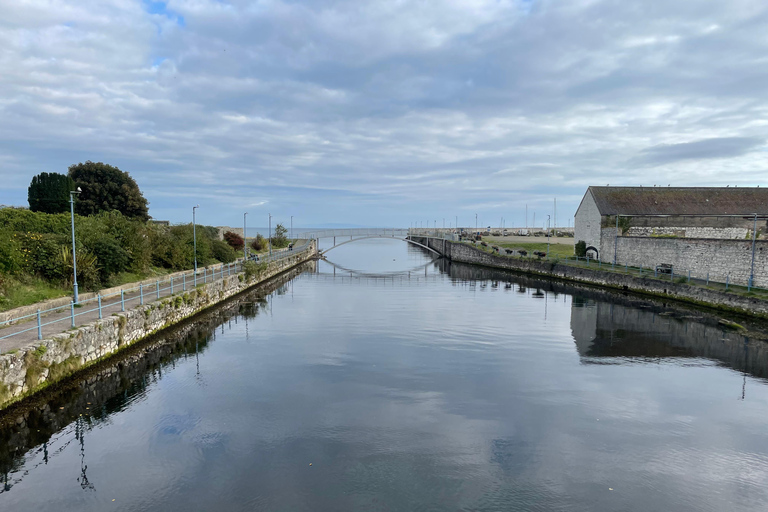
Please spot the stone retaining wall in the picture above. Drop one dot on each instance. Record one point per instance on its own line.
(54, 358)
(466, 253)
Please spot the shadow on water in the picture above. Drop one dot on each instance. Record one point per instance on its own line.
(62, 416)
(607, 325)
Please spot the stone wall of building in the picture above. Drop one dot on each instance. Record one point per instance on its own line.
(731, 233)
(718, 258)
(586, 223)
(52, 359)
(466, 253)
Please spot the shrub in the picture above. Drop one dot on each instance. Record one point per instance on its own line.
(234, 240)
(259, 244)
(11, 259)
(221, 251)
(41, 254)
(580, 249)
(112, 259)
(87, 269)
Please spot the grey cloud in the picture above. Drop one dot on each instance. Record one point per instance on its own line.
(724, 147)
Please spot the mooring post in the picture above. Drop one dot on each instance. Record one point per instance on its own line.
(122, 300)
(39, 326)
(72, 312)
(100, 315)
(141, 294)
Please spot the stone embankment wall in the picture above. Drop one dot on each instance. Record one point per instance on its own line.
(720, 258)
(52, 359)
(466, 253)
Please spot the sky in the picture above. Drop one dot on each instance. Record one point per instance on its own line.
(384, 112)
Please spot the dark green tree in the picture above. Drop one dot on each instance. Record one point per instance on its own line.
(580, 248)
(107, 188)
(49, 192)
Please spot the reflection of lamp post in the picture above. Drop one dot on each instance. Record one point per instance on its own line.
(245, 240)
(74, 256)
(194, 235)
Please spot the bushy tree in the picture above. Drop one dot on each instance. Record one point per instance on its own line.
(221, 251)
(49, 192)
(234, 240)
(280, 239)
(107, 188)
(111, 258)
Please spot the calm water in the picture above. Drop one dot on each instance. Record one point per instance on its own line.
(388, 382)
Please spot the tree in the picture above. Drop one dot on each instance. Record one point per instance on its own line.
(234, 240)
(280, 240)
(49, 192)
(107, 188)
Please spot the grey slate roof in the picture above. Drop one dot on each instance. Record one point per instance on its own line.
(680, 200)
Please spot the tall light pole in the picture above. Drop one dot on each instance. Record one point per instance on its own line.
(547, 236)
(476, 231)
(245, 240)
(74, 256)
(291, 227)
(194, 234)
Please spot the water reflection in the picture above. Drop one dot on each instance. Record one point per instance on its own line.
(45, 428)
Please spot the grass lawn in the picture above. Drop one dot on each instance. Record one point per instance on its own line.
(555, 250)
(24, 290)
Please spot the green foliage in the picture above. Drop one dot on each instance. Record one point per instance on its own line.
(107, 188)
(87, 269)
(280, 239)
(11, 257)
(111, 258)
(234, 240)
(580, 249)
(41, 254)
(624, 224)
(253, 269)
(23, 289)
(49, 192)
(220, 250)
(259, 244)
(16, 219)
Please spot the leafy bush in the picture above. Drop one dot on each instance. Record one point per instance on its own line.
(580, 249)
(27, 221)
(234, 240)
(11, 259)
(259, 244)
(87, 269)
(41, 254)
(111, 258)
(221, 251)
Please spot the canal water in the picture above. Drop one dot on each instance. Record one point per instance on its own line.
(388, 381)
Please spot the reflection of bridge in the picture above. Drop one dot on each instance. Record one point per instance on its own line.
(361, 234)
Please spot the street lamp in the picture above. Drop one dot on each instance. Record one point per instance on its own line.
(194, 235)
(245, 240)
(291, 227)
(74, 256)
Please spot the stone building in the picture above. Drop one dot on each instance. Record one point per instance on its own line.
(707, 230)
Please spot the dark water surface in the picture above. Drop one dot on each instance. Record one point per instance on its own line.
(413, 386)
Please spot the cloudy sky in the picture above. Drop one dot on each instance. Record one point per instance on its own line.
(384, 112)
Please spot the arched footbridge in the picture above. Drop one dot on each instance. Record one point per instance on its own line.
(346, 236)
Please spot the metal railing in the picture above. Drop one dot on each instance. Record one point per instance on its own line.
(166, 286)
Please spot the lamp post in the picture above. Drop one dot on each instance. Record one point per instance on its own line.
(245, 240)
(74, 256)
(291, 227)
(547, 236)
(476, 231)
(194, 235)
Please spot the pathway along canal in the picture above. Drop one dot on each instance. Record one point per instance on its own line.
(442, 388)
